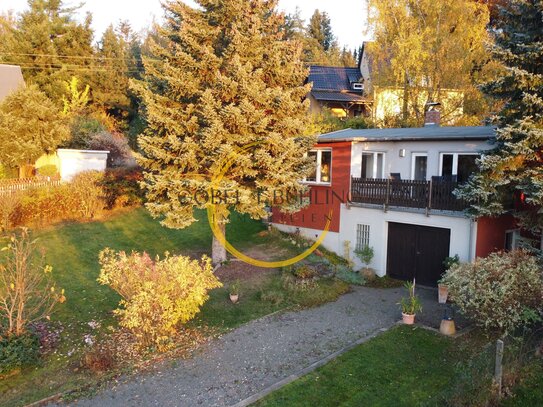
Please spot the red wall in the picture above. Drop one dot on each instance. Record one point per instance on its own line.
(322, 199)
(491, 234)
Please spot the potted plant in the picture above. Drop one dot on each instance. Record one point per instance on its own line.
(366, 256)
(442, 289)
(234, 292)
(410, 305)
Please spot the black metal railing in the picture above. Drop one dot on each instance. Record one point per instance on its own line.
(408, 194)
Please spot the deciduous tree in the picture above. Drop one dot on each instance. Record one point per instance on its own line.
(426, 47)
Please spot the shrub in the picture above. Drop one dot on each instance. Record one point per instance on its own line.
(49, 170)
(122, 187)
(501, 292)
(88, 194)
(116, 144)
(99, 359)
(304, 272)
(18, 351)
(365, 254)
(82, 129)
(27, 293)
(9, 208)
(157, 296)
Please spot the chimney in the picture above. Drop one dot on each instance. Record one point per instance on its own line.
(433, 115)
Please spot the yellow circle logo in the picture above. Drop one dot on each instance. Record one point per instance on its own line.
(213, 222)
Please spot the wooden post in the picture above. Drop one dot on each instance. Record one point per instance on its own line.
(387, 195)
(498, 370)
(429, 205)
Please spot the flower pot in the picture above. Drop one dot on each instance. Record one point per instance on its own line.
(447, 327)
(234, 298)
(442, 293)
(408, 319)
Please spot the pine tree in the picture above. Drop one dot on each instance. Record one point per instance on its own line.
(515, 167)
(51, 46)
(320, 28)
(225, 77)
(30, 125)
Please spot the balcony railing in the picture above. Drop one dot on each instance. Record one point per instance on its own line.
(426, 195)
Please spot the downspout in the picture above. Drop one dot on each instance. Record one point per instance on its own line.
(472, 239)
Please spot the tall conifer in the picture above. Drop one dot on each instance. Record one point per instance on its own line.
(225, 78)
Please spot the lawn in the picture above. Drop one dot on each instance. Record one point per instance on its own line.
(404, 367)
(72, 249)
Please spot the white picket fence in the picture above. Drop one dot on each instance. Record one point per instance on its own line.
(10, 186)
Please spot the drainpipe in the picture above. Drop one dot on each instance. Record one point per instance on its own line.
(472, 239)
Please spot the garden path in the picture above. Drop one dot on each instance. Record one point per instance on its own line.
(261, 353)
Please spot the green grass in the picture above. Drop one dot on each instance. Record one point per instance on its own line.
(72, 249)
(403, 367)
(530, 391)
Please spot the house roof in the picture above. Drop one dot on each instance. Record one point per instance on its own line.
(426, 133)
(11, 78)
(337, 96)
(334, 83)
(333, 78)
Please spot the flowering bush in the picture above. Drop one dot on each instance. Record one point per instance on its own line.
(157, 295)
(501, 292)
(116, 144)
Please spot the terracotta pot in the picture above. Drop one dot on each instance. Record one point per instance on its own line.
(234, 298)
(408, 319)
(447, 327)
(442, 293)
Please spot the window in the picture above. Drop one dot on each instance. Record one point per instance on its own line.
(373, 165)
(419, 166)
(362, 236)
(358, 86)
(458, 166)
(323, 167)
(512, 238)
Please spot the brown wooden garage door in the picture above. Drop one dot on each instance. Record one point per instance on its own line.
(417, 252)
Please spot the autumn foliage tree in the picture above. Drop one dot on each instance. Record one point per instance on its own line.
(223, 77)
(427, 47)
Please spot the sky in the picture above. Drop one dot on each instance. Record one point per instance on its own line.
(348, 16)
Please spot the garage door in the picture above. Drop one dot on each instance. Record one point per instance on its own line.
(417, 252)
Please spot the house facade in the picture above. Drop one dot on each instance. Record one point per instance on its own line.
(392, 190)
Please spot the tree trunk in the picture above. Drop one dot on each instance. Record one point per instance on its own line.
(218, 251)
(405, 105)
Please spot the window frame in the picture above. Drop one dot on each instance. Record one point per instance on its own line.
(455, 160)
(516, 237)
(357, 86)
(319, 164)
(363, 233)
(375, 161)
(413, 161)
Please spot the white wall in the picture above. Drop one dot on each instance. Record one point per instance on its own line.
(331, 240)
(403, 165)
(462, 233)
(72, 162)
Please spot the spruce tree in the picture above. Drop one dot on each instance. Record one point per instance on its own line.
(514, 169)
(223, 77)
(30, 125)
(50, 46)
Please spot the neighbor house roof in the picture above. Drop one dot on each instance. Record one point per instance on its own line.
(11, 78)
(334, 83)
(411, 134)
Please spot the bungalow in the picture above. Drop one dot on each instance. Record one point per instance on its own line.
(392, 189)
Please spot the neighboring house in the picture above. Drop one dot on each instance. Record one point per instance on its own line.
(387, 101)
(392, 189)
(351, 92)
(339, 89)
(11, 78)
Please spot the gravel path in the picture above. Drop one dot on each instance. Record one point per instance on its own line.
(262, 352)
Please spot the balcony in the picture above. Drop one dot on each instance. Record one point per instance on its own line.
(427, 195)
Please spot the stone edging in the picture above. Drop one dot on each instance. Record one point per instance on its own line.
(289, 379)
